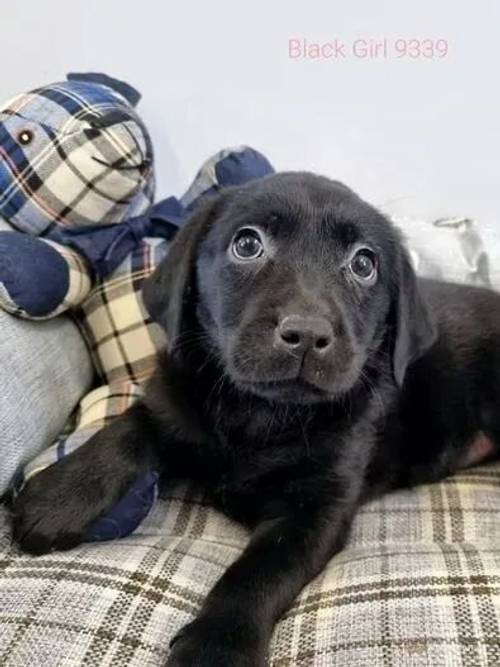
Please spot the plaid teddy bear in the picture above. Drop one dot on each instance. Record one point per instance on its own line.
(111, 258)
(75, 160)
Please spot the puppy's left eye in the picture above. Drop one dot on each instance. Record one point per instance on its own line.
(247, 245)
(364, 265)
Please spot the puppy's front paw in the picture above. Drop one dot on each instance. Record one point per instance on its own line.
(217, 643)
(50, 512)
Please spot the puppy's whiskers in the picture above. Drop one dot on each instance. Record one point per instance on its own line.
(373, 390)
(303, 428)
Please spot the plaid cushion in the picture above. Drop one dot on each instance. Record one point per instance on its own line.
(417, 586)
(122, 338)
(72, 153)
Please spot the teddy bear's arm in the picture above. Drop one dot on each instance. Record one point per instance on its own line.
(40, 279)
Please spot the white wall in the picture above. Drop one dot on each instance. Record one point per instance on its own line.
(415, 136)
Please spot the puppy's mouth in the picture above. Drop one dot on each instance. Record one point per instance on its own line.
(294, 390)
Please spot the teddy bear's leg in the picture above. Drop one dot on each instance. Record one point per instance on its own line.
(97, 483)
(57, 506)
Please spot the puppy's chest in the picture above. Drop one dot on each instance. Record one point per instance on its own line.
(259, 485)
(275, 471)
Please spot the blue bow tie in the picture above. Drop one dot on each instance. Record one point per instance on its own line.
(106, 246)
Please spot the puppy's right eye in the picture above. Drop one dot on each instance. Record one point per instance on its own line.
(247, 245)
(364, 265)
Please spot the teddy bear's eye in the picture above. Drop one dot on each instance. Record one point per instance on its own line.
(25, 137)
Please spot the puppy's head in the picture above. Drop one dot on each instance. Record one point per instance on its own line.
(294, 284)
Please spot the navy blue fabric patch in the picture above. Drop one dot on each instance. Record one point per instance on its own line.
(128, 512)
(129, 92)
(35, 275)
(239, 168)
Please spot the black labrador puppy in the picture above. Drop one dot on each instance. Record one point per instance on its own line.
(308, 371)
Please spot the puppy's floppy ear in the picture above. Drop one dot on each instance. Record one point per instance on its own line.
(168, 292)
(415, 330)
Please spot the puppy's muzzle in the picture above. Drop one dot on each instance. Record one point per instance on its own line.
(301, 335)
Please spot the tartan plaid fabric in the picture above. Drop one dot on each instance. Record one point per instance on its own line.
(417, 586)
(79, 278)
(73, 153)
(95, 410)
(122, 338)
(106, 402)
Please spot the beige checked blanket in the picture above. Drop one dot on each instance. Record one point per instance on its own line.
(418, 585)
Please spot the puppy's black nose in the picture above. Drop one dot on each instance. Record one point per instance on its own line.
(302, 333)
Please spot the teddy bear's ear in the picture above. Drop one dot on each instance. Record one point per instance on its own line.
(169, 294)
(125, 89)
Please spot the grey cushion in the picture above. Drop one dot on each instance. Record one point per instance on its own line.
(457, 249)
(45, 369)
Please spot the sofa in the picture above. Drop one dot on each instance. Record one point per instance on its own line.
(418, 584)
